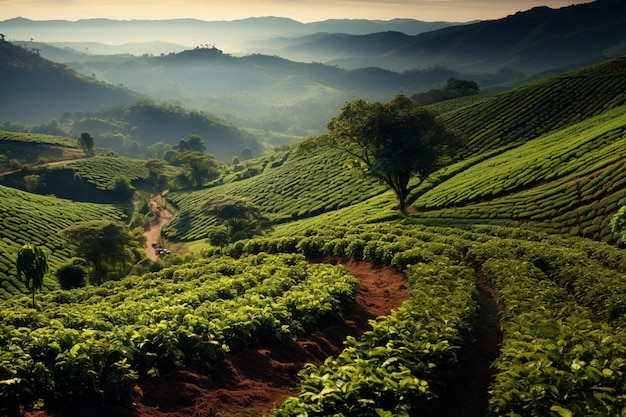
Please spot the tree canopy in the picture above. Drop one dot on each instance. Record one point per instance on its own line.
(453, 89)
(105, 245)
(390, 142)
(242, 218)
(86, 142)
(32, 263)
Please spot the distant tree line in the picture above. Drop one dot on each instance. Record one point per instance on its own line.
(453, 89)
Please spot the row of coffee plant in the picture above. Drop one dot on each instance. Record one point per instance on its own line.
(92, 343)
(37, 138)
(103, 171)
(591, 273)
(556, 359)
(406, 362)
(30, 218)
(571, 154)
(562, 309)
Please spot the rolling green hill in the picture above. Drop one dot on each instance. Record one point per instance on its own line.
(18, 149)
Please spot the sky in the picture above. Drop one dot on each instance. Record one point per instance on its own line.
(302, 10)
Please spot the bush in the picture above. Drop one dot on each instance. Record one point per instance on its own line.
(72, 274)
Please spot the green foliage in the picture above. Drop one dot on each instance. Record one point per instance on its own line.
(72, 274)
(241, 218)
(32, 263)
(527, 112)
(104, 171)
(302, 186)
(30, 218)
(20, 149)
(37, 138)
(198, 168)
(157, 175)
(555, 356)
(391, 142)
(618, 224)
(402, 364)
(109, 247)
(92, 343)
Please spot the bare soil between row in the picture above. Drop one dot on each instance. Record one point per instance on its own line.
(252, 382)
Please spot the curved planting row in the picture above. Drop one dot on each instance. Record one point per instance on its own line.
(91, 344)
(103, 171)
(304, 185)
(538, 108)
(556, 360)
(405, 362)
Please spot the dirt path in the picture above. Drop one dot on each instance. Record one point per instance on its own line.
(252, 382)
(153, 233)
(469, 394)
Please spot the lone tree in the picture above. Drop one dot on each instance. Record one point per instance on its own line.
(157, 177)
(86, 142)
(390, 142)
(32, 263)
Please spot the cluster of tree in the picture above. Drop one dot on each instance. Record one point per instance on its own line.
(453, 89)
(109, 248)
(237, 218)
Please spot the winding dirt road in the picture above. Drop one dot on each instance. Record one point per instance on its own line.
(153, 233)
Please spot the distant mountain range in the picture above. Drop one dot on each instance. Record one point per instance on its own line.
(533, 41)
(238, 36)
(267, 91)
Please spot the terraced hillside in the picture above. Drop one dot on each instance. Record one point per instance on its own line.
(17, 149)
(547, 156)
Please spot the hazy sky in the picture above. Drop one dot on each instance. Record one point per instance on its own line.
(301, 10)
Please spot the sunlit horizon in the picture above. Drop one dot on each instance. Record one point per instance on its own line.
(305, 12)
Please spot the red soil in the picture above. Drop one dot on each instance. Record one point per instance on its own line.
(251, 383)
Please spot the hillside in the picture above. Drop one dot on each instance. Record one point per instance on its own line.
(536, 42)
(132, 129)
(506, 283)
(30, 218)
(259, 91)
(539, 156)
(35, 89)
